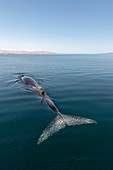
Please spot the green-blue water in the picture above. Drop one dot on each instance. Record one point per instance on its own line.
(78, 84)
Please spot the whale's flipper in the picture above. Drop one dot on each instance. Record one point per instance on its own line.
(60, 122)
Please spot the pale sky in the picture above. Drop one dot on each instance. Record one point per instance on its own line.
(61, 26)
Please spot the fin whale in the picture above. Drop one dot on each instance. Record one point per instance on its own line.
(61, 120)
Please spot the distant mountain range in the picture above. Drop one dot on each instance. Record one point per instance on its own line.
(25, 52)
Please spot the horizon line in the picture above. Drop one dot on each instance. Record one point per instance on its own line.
(46, 52)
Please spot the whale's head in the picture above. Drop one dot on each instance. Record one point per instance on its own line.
(21, 77)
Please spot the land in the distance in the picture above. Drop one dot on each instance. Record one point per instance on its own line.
(36, 52)
(25, 52)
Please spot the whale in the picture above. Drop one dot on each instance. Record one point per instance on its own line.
(31, 84)
(61, 120)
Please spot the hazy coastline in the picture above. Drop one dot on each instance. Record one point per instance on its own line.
(25, 52)
(46, 52)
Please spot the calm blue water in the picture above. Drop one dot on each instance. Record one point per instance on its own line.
(78, 84)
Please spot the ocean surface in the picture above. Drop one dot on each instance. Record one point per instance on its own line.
(79, 85)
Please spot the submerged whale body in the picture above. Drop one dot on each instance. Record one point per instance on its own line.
(61, 120)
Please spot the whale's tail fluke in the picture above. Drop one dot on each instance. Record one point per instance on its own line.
(60, 122)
